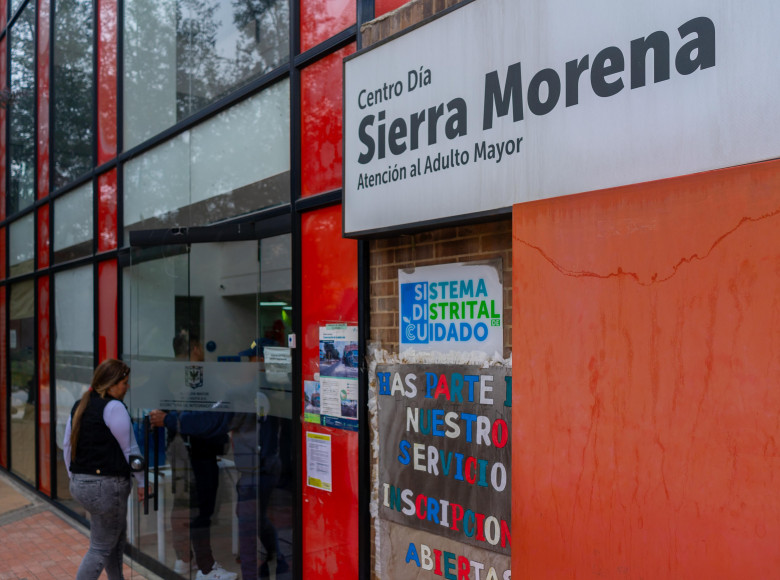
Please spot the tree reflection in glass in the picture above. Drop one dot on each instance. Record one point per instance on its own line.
(183, 55)
(21, 143)
(73, 77)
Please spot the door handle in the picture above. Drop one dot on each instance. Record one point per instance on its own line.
(147, 428)
(156, 431)
(151, 435)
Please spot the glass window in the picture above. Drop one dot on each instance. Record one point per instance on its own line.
(182, 55)
(14, 5)
(21, 143)
(73, 354)
(73, 89)
(73, 224)
(321, 19)
(22, 246)
(21, 351)
(235, 163)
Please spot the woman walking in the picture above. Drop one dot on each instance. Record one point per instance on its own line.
(99, 441)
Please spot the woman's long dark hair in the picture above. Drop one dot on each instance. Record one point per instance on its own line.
(108, 373)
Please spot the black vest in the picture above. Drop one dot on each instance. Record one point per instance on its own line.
(97, 450)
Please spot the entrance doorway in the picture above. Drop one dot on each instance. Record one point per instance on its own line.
(206, 326)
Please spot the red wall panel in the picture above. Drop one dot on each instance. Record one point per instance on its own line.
(385, 6)
(44, 92)
(107, 310)
(107, 80)
(646, 413)
(107, 221)
(321, 123)
(44, 409)
(43, 236)
(321, 19)
(330, 519)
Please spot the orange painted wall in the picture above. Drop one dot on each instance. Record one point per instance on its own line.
(646, 403)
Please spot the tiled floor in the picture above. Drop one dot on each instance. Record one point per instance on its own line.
(36, 543)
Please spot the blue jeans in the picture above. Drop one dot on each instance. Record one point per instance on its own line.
(105, 498)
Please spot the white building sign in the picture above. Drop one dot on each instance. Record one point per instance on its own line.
(452, 307)
(505, 101)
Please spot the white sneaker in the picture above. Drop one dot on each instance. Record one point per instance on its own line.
(182, 567)
(217, 573)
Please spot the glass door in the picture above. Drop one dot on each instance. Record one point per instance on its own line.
(206, 328)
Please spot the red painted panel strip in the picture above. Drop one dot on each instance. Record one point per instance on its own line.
(44, 92)
(107, 80)
(108, 319)
(107, 203)
(44, 237)
(44, 409)
(321, 19)
(385, 6)
(322, 152)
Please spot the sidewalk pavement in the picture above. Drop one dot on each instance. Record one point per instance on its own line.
(39, 542)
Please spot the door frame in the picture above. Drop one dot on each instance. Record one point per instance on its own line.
(254, 227)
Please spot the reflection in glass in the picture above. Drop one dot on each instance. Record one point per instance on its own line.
(182, 55)
(232, 302)
(73, 89)
(21, 144)
(21, 352)
(15, 4)
(73, 224)
(218, 170)
(21, 246)
(73, 356)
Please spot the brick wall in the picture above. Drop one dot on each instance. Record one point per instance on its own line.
(407, 15)
(485, 241)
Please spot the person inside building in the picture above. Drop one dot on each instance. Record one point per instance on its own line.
(98, 448)
(195, 441)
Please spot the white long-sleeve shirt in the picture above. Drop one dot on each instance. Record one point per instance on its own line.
(117, 419)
